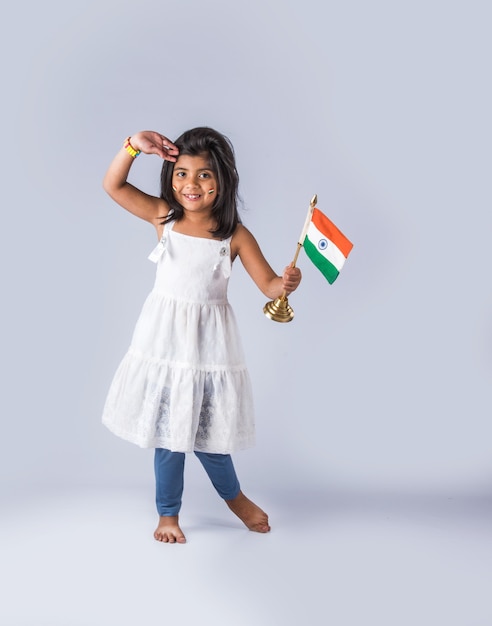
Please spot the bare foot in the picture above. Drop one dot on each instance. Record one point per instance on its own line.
(168, 530)
(250, 514)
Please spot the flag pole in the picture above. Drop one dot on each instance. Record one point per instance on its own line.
(300, 241)
(279, 309)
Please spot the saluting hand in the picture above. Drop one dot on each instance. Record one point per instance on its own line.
(150, 142)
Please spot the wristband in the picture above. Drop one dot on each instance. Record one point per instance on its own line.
(130, 149)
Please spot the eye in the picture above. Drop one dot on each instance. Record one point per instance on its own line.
(205, 175)
(179, 174)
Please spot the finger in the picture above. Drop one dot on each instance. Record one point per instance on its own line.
(165, 152)
(291, 272)
(169, 148)
(168, 143)
(156, 149)
(161, 145)
(170, 154)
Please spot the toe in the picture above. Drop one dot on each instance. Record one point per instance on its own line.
(262, 528)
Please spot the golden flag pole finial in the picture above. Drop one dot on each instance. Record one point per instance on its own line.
(279, 309)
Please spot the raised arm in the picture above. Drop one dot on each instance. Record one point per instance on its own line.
(115, 183)
(245, 246)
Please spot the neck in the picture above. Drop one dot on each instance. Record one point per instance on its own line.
(196, 224)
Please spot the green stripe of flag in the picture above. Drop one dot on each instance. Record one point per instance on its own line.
(328, 270)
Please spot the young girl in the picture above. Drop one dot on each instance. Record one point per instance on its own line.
(183, 385)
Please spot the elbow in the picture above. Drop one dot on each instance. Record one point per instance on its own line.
(106, 185)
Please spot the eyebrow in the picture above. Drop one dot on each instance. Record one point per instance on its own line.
(201, 169)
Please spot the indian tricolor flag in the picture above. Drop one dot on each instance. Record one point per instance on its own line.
(326, 246)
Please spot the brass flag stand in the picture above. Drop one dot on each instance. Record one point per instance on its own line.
(279, 309)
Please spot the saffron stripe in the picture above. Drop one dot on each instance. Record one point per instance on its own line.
(331, 232)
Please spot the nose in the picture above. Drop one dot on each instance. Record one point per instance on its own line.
(192, 182)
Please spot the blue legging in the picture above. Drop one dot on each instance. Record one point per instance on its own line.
(169, 470)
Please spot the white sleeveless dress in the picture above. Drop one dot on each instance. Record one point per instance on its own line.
(183, 384)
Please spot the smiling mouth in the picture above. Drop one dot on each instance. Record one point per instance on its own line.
(191, 196)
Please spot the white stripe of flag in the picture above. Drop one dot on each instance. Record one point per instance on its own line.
(328, 250)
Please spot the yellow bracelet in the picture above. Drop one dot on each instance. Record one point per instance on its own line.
(130, 149)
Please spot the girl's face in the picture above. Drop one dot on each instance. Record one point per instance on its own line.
(194, 183)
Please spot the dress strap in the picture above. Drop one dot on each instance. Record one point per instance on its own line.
(224, 257)
(159, 250)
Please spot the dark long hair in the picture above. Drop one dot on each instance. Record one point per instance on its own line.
(220, 153)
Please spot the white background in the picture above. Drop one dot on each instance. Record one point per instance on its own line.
(379, 389)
